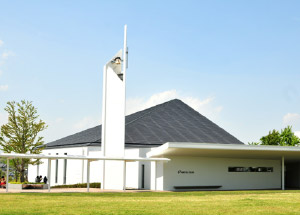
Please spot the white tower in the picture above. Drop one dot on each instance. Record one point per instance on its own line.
(113, 118)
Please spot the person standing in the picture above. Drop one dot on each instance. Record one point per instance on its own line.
(45, 180)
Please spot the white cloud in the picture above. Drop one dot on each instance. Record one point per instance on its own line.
(62, 101)
(7, 54)
(297, 133)
(3, 87)
(219, 109)
(137, 104)
(291, 119)
(86, 122)
(205, 106)
(59, 120)
(1, 43)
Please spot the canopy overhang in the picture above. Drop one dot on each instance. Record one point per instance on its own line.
(170, 149)
(78, 157)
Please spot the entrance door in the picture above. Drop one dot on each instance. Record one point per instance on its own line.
(292, 175)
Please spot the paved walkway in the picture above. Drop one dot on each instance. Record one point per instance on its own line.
(72, 190)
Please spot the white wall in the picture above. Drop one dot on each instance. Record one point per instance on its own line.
(76, 169)
(96, 167)
(207, 171)
(157, 175)
(134, 169)
(214, 171)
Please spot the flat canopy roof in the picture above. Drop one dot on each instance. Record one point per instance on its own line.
(290, 153)
(78, 157)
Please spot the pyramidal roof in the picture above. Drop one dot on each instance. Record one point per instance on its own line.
(172, 121)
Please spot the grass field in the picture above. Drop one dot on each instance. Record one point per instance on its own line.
(214, 202)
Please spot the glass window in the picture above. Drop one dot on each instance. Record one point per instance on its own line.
(250, 169)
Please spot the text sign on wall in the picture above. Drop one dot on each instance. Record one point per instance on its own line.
(185, 172)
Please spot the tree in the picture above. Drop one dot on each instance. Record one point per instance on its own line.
(20, 134)
(288, 138)
(254, 143)
(273, 138)
(284, 138)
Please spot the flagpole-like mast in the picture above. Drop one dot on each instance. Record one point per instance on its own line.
(125, 65)
(125, 53)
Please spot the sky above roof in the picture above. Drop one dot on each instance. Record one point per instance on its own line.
(236, 62)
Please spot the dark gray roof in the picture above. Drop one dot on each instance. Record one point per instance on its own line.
(172, 121)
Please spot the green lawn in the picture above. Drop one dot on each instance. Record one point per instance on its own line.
(214, 202)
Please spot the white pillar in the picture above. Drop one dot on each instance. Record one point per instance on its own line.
(7, 174)
(124, 176)
(282, 173)
(88, 176)
(103, 175)
(49, 174)
(155, 175)
(82, 168)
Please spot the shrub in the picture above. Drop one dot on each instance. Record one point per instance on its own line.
(25, 182)
(83, 185)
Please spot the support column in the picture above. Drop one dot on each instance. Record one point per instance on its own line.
(7, 174)
(282, 173)
(103, 174)
(49, 173)
(155, 174)
(88, 176)
(124, 176)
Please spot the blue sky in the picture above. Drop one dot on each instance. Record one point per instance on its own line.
(236, 62)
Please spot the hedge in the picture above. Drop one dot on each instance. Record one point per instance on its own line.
(83, 185)
(25, 182)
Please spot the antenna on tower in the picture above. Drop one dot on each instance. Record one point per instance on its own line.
(125, 51)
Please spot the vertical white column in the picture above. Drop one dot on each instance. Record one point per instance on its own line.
(103, 174)
(7, 174)
(49, 173)
(113, 116)
(155, 172)
(282, 173)
(124, 176)
(82, 168)
(159, 175)
(88, 175)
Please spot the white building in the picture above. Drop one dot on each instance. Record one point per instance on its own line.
(202, 155)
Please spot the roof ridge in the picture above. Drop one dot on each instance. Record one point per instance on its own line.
(155, 108)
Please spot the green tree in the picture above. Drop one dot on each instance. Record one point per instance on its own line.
(273, 138)
(254, 143)
(20, 134)
(284, 138)
(288, 138)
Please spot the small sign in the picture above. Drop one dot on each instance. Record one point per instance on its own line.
(186, 172)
